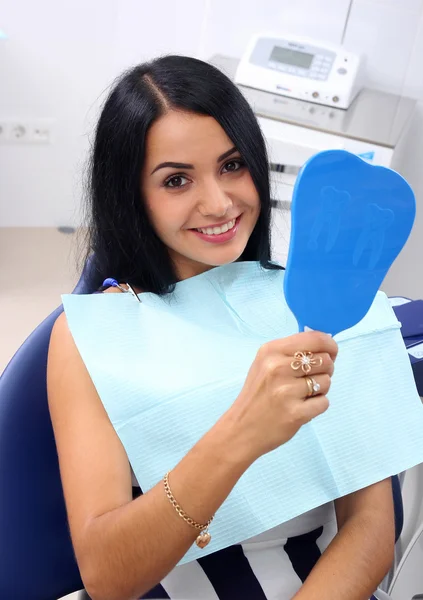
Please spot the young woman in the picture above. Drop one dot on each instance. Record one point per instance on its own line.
(179, 185)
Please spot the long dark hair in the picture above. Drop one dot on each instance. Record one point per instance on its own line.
(121, 241)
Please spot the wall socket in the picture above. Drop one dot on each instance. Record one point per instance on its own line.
(37, 131)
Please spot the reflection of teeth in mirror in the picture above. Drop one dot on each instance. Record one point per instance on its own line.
(332, 207)
(373, 234)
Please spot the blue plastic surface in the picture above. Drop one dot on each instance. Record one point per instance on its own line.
(110, 282)
(350, 220)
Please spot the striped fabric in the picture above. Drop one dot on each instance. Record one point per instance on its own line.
(270, 566)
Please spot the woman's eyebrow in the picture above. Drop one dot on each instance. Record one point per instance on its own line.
(226, 154)
(173, 165)
(176, 165)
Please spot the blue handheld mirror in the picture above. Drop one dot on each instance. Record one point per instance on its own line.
(350, 220)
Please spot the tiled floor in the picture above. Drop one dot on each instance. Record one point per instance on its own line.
(37, 265)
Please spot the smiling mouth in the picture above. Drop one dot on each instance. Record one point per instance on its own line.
(217, 230)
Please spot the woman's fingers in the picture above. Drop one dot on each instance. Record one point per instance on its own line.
(310, 341)
(319, 363)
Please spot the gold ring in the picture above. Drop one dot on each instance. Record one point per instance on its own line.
(313, 387)
(310, 386)
(306, 361)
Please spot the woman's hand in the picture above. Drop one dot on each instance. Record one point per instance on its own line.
(274, 402)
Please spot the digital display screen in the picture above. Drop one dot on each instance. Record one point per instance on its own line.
(292, 57)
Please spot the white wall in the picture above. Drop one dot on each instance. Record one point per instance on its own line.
(61, 56)
(385, 32)
(54, 65)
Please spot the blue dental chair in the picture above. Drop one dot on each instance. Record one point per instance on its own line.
(36, 556)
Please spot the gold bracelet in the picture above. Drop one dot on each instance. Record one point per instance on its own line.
(204, 538)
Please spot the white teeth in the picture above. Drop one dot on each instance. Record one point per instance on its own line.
(218, 230)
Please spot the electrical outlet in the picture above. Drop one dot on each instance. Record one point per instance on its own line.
(18, 132)
(41, 134)
(38, 131)
(41, 131)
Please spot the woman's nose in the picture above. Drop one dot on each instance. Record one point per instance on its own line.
(214, 201)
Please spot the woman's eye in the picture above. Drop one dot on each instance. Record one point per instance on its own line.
(176, 181)
(233, 165)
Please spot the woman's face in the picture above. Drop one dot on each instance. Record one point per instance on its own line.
(199, 194)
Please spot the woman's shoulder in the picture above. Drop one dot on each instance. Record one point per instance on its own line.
(64, 361)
